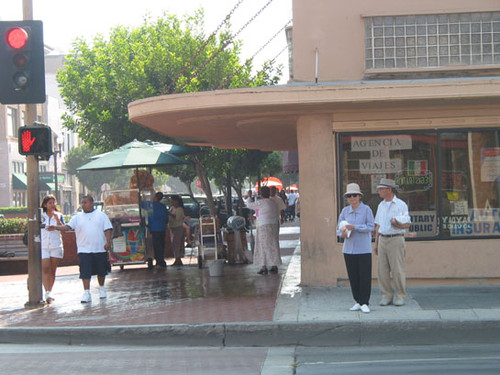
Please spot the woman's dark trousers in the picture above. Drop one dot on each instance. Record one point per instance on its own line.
(359, 270)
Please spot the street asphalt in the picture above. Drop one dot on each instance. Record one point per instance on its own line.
(436, 312)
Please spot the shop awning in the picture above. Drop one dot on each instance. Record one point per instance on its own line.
(47, 186)
(19, 181)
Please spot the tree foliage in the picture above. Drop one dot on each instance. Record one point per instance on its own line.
(101, 78)
(93, 180)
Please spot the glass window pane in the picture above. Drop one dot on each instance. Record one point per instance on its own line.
(470, 183)
(462, 38)
(409, 159)
(462, 199)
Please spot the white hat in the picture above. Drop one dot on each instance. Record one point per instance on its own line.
(353, 189)
(387, 183)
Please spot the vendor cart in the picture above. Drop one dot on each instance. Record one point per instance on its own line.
(130, 238)
(131, 243)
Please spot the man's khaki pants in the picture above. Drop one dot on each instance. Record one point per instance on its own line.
(392, 259)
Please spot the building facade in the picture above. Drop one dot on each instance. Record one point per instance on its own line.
(404, 90)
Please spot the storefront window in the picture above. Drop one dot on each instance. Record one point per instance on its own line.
(471, 183)
(450, 180)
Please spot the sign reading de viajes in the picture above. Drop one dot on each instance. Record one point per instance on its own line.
(379, 148)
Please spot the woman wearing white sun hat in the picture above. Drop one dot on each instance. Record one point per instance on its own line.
(355, 226)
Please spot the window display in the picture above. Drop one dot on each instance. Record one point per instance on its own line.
(449, 179)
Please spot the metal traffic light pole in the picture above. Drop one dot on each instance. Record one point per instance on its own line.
(34, 250)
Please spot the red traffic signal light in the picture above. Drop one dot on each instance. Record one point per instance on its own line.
(16, 37)
(22, 58)
(35, 140)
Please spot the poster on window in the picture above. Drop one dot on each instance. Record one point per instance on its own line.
(379, 148)
(490, 164)
(478, 222)
(423, 223)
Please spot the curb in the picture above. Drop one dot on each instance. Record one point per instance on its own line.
(266, 334)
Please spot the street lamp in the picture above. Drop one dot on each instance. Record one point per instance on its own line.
(57, 151)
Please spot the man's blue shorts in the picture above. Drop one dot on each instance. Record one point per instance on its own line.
(93, 264)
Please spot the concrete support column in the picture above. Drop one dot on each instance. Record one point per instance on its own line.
(317, 200)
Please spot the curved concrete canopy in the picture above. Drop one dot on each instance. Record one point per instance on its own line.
(265, 118)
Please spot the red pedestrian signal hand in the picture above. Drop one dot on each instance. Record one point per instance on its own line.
(27, 141)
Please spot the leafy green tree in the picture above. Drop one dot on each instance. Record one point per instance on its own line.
(99, 79)
(239, 166)
(92, 180)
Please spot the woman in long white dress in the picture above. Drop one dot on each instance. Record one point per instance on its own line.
(267, 251)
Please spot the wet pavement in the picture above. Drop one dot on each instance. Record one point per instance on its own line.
(139, 296)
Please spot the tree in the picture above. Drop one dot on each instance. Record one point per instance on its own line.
(100, 79)
(186, 173)
(239, 166)
(93, 180)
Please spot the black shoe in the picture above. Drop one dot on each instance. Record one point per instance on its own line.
(263, 271)
(273, 269)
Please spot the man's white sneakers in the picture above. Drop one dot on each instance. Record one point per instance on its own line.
(102, 292)
(398, 301)
(86, 297)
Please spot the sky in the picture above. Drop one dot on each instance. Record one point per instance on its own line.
(65, 20)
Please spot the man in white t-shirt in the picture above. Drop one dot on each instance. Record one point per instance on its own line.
(93, 231)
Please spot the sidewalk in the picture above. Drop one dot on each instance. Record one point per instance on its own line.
(185, 306)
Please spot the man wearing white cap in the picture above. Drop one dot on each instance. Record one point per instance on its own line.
(391, 220)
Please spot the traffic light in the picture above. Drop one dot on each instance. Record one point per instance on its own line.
(22, 74)
(35, 140)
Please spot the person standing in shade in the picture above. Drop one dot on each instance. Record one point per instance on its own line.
(391, 220)
(157, 223)
(355, 227)
(279, 203)
(267, 252)
(176, 226)
(93, 240)
(292, 196)
(281, 207)
(52, 245)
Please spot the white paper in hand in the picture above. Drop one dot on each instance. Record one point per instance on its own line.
(342, 226)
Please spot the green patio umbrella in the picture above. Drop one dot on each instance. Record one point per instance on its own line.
(138, 154)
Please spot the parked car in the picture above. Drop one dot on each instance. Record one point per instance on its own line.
(192, 205)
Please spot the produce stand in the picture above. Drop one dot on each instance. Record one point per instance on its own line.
(130, 239)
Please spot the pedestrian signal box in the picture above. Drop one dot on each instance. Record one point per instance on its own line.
(35, 140)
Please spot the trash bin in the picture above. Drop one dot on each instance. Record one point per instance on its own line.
(216, 267)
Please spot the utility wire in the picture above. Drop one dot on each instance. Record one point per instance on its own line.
(273, 59)
(228, 79)
(221, 48)
(202, 47)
